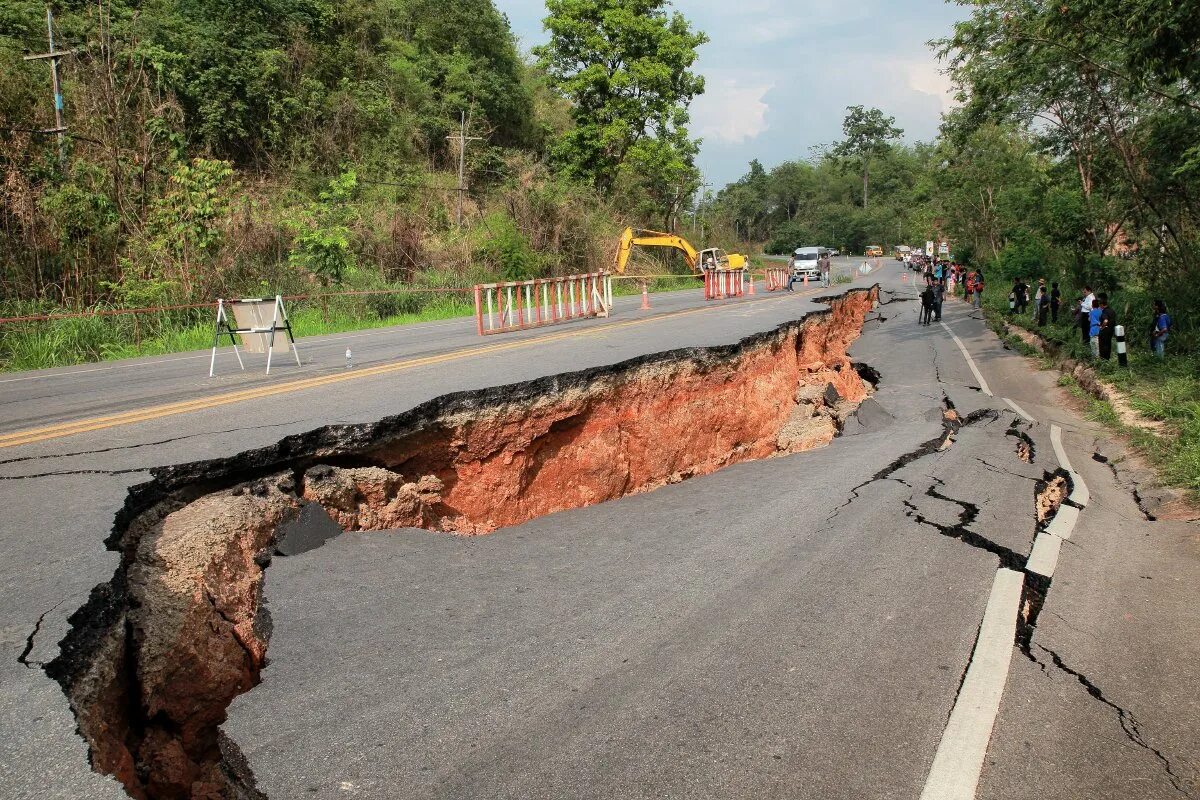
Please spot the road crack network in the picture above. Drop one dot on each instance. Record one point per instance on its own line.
(31, 639)
(140, 445)
(1128, 722)
(967, 514)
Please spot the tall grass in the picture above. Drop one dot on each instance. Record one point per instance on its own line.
(41, 345)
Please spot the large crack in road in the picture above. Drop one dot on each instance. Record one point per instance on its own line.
(154, 658)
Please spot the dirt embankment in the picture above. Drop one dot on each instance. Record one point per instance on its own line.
(158, 653)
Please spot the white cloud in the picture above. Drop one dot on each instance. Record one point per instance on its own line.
(729, 111)
(926, 76)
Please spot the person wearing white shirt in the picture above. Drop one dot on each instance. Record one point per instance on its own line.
(1085, 312)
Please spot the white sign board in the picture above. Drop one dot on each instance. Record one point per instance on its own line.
(929, 249)
(944, 249)
(257, 321)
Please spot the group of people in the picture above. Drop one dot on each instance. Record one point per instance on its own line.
(1046, 302)
(941, 278)
(823, 267)
(1097, 322)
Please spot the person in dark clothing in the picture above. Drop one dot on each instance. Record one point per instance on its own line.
(926, 305)
(1055, 302)
(1041, 303)
(1108, 326)
(1021, 293)
(939, 297)
(1161, 329)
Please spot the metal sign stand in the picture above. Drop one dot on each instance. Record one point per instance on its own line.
(257, 332)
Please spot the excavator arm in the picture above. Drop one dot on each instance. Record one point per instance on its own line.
(631, 238)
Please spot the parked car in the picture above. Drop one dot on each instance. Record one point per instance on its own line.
(805, 262)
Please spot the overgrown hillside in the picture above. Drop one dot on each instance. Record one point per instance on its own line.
(222, 148)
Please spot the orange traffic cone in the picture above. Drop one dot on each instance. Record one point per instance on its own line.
(750, 280)
(805, 281)
(645, 298)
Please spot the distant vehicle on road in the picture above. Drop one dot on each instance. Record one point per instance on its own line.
(874, 251)
(805, 262)
(901, 251)
(834, 252)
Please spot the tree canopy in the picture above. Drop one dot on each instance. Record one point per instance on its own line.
(625, 67)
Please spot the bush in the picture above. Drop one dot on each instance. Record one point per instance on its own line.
(509, 253)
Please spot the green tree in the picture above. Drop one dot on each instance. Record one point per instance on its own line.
(625, 66)
(868, 134)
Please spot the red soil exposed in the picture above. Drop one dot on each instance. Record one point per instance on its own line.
(192, 634)
(636, 432)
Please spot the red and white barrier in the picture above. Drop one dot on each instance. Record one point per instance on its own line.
(502, 307)
(776, 279)
(720, 283)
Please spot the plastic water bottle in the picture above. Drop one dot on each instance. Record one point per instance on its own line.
(349, 358)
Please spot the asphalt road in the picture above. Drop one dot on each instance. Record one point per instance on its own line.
(792, 627)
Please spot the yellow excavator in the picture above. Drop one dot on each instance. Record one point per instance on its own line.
(698, 261)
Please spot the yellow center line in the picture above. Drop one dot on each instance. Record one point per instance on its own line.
(34, 435)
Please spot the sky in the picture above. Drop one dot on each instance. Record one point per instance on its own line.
(780, 73)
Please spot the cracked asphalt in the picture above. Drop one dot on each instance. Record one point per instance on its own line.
(791, 627)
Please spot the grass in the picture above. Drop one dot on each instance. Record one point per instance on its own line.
(1166, 390)
(41, 345)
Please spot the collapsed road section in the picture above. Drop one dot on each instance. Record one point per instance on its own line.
(155, 657)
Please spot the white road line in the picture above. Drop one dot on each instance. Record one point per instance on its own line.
(970, 361)
(1019, 410)
(1080, 494)
(958, 763)
(1044, 558)
(959, 759)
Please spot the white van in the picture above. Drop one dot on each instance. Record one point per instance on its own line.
(804, 261)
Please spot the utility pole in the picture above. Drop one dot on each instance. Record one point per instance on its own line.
(696, 205)
(462, 140)
(54, 55)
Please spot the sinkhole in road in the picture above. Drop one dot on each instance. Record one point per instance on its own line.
(153, 660)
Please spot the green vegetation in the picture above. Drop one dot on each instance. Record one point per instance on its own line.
(220, 150)
(1071, 157)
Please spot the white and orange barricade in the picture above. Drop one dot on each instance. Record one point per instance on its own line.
(776, 279)
(721, 283)
(503, 307)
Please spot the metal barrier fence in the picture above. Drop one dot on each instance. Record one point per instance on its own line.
(719, 283)
(502, 307)
(776, 279)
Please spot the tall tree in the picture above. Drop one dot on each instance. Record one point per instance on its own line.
(625, 65)
(868, 134)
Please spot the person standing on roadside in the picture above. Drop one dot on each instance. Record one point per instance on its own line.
(1160, 330)
(978, 287)
(1085, 313)
(939, 297)
(926, 305)
(824, 265)
(1021, 292)
(1108, 326)
(1041, 304)
(791, 272)
(1093, 318)
(1055, 302)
